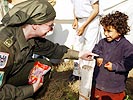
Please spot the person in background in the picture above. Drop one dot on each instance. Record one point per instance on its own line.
(22, 33)
(115, 58)
(86, 25)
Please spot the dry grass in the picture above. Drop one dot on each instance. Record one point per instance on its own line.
(60, 89)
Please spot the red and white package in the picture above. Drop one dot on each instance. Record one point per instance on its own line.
(38, 69)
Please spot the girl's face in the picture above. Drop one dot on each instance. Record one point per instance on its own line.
(43, 29)
(111, 34)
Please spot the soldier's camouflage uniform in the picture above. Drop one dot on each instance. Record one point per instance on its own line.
(16, 52)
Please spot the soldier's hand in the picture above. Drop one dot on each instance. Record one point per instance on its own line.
(86, 55)
(38, 83)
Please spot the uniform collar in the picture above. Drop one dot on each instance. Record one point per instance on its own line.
(23, 43)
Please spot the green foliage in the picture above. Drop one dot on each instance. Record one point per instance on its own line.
(127, 97)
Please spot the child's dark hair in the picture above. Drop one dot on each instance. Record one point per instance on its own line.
(117, 20)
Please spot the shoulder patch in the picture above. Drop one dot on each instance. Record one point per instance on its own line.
(1, 77)
(8, 42)
(3, 59)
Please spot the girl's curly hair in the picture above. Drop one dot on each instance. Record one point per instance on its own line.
(117, 20)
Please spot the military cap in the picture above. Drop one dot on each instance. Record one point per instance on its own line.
(30, 12)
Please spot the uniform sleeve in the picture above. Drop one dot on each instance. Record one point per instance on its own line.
(49, 49)
(8, 91)
(71, 54)
(124, 65)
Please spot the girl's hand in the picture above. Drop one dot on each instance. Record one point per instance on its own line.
(99, 61)
(108, 66)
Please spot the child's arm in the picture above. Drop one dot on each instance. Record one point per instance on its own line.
(125, 65)
(98, 49)
(121, 66)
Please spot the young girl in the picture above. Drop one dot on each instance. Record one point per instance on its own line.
(115, 58)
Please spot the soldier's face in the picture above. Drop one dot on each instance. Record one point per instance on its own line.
(43, 29)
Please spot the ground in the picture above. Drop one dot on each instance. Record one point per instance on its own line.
(129, 85)
(60, 89)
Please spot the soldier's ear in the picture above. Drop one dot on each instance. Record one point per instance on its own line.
(34, 26)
